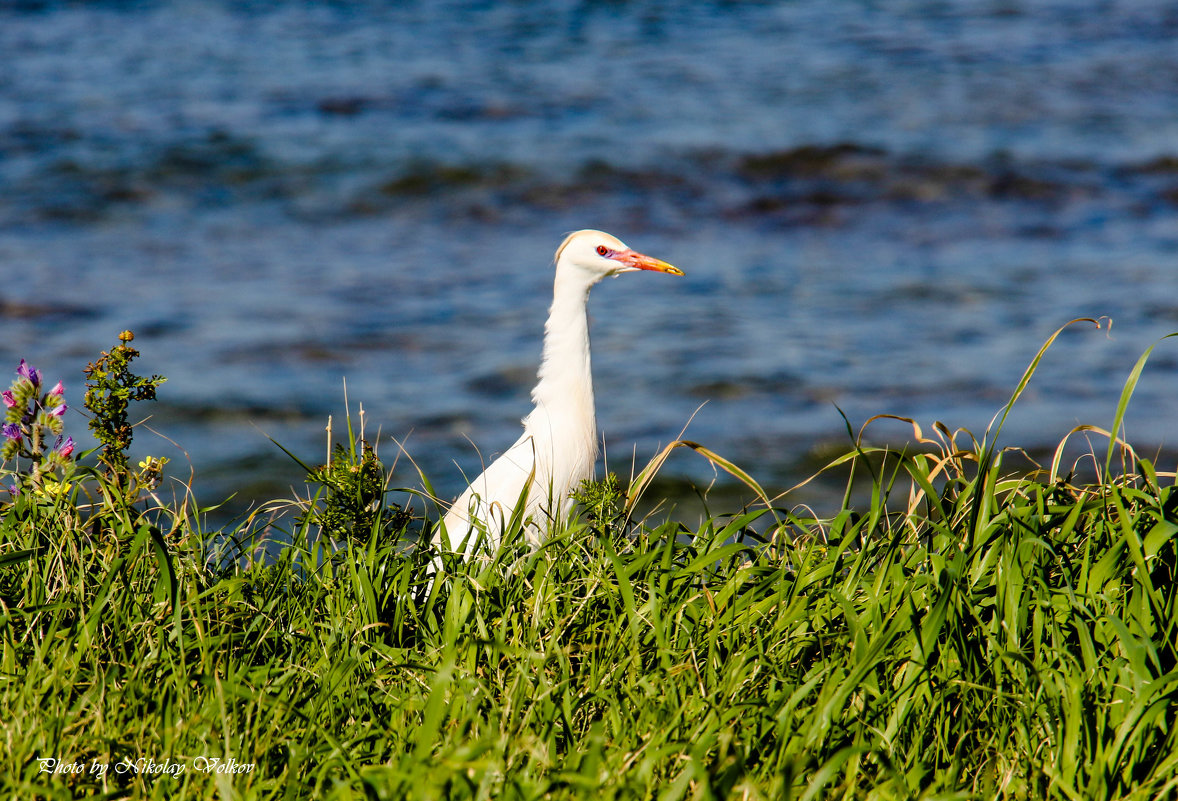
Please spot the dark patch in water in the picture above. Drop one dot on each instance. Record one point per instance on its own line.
(444, 423)
(1167, 312)
(807, 185)
(845, 159)
(1162, 165)
(289, 353)
(345, 106)
(1009, 185)
(503, 383)
(44, 312)
(208, 170)
(781, 385)
(237, 411)
(162, 327)
(219, 157)
(814, 177)
(28, 138)
(427, 178)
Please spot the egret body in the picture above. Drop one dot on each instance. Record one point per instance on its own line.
(558, 447)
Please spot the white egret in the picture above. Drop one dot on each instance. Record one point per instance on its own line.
(558, 448)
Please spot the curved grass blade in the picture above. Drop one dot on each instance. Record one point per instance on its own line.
(1126, 394)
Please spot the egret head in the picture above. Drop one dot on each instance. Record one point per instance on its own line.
(597, 255)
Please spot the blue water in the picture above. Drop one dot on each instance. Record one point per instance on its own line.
(879, 208)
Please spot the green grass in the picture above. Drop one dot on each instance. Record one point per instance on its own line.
(974, 631)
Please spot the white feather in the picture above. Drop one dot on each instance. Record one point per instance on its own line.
(558, 448)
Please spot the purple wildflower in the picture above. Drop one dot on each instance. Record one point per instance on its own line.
(9, 400)
(66, 447)
(11, 431)
(14, 490)
(58, 390)
(24, 371)
(59, 411)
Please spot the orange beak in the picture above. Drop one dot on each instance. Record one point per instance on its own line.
(632, 260)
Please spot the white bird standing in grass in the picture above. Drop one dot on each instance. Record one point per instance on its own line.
(558, 448)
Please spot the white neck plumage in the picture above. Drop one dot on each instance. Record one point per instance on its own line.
(564, 367)
(564, 394)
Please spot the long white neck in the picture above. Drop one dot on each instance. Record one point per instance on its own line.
(566, 377)
(561, 431)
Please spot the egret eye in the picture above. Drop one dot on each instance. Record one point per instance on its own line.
(602, 250)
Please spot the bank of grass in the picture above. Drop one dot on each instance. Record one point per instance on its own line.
(974, 631)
